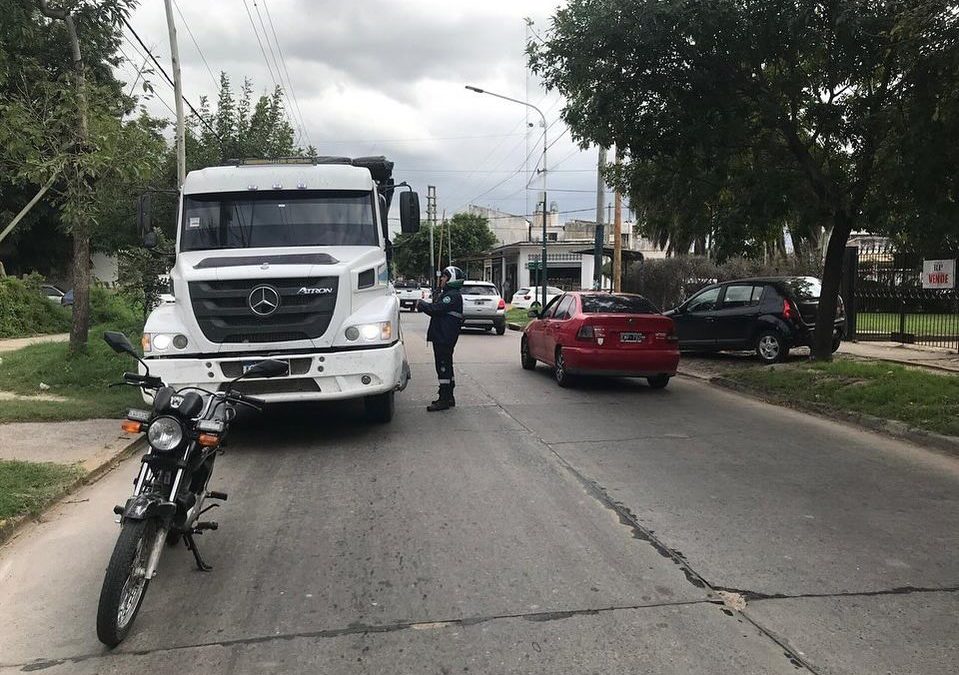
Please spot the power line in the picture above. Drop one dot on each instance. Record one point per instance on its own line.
(276, 65)
(186, 24)
(260, 42)
(145, 58)
(289, 80)
(170, 79)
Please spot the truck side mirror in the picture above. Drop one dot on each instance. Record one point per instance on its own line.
(409, 212)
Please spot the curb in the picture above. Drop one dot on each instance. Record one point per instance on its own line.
(12, 526)
(514, 326)
(899, 430)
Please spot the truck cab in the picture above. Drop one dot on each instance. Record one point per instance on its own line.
(286, 260)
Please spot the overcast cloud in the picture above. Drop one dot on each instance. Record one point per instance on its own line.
(379, 77)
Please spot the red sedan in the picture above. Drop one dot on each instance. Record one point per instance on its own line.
(617, 335)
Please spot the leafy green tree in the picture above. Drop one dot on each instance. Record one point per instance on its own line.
(740, 118)
(470, 235)
(55, 125)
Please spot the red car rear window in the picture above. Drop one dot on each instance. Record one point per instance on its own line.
(617, 304)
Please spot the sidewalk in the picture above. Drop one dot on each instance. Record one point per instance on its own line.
(910, 355)
(90, 443)
(12, 344)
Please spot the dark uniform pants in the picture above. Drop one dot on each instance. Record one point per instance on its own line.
(443, 356)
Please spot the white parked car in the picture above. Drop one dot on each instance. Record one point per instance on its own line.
(52, 293)
(408, 293)
(525, 297)
(483, 306)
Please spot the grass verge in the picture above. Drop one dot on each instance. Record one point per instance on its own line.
(82, 380)
(921, 399)
(26, 487)
(518, 316)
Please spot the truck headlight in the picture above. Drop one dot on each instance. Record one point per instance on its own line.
(371, 332)
(160, 342)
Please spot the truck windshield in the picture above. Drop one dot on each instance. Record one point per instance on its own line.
(271, 219)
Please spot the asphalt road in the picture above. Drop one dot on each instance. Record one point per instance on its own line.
(609, 529)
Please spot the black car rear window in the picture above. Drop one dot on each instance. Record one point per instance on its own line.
(478, 290)
(617, 304)
(804, 288)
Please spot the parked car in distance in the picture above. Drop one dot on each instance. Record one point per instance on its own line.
(769, 314)
(609, 334)
(408, 293)
(526, 296)
(51, 292)
(483, 306)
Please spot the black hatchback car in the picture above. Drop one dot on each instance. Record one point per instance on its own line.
(770, 315)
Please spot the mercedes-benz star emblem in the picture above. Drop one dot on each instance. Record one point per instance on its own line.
(264, 300)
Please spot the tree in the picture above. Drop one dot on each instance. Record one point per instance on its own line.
(740, 118)
(470, 235)
(62, 118)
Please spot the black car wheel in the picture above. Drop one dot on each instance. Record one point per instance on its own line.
(500, 329)
(528, 362)
(835, 344)
(658, 381)
(770, 347)
(563, 378)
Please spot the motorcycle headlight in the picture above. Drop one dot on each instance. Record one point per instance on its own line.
(165, 434)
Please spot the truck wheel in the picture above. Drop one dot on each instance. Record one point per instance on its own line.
(380, 407)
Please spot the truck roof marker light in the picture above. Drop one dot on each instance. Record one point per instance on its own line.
(301, 186)
(277, 186)
(251, 187)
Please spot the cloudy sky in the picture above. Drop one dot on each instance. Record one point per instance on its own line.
(387, 77)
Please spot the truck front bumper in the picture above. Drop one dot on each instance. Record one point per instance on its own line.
(313, 377)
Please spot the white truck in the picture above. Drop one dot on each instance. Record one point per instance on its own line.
(286, 259)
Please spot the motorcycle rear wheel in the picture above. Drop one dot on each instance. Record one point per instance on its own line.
(125, 583)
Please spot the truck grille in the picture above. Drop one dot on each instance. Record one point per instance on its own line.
(224, 312)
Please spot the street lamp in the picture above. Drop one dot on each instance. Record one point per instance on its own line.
(543, 171)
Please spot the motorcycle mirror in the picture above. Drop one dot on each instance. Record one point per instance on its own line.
(268, 368)
(119, 343)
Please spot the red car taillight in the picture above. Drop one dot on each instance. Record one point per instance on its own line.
(788, 312)
(589, 333)
(502, 304)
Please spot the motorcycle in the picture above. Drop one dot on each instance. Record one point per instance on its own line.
(185, 431)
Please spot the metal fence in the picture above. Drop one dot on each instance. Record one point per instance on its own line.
(890, 304)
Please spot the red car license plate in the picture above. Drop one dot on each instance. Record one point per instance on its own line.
(632, 337)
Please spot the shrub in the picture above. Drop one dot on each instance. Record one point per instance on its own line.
(114, 310)
(669, 281)
(25, 311)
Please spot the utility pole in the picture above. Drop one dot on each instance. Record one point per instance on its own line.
(431, 218)
(80, 327)
(618, 233)
(449, 237)
(600, 229)
(178, 93)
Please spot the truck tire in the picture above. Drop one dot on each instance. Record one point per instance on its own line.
(380, 407)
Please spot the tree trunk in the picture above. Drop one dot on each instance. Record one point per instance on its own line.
(80, 328)
(831, 281)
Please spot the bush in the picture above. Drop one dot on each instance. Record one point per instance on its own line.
(115, 310)
(25, 311)
(669, 281)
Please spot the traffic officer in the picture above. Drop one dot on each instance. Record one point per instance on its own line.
(446, 317)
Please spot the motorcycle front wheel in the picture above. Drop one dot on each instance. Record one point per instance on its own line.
(125, 583)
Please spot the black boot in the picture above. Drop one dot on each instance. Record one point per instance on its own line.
(444, 402)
